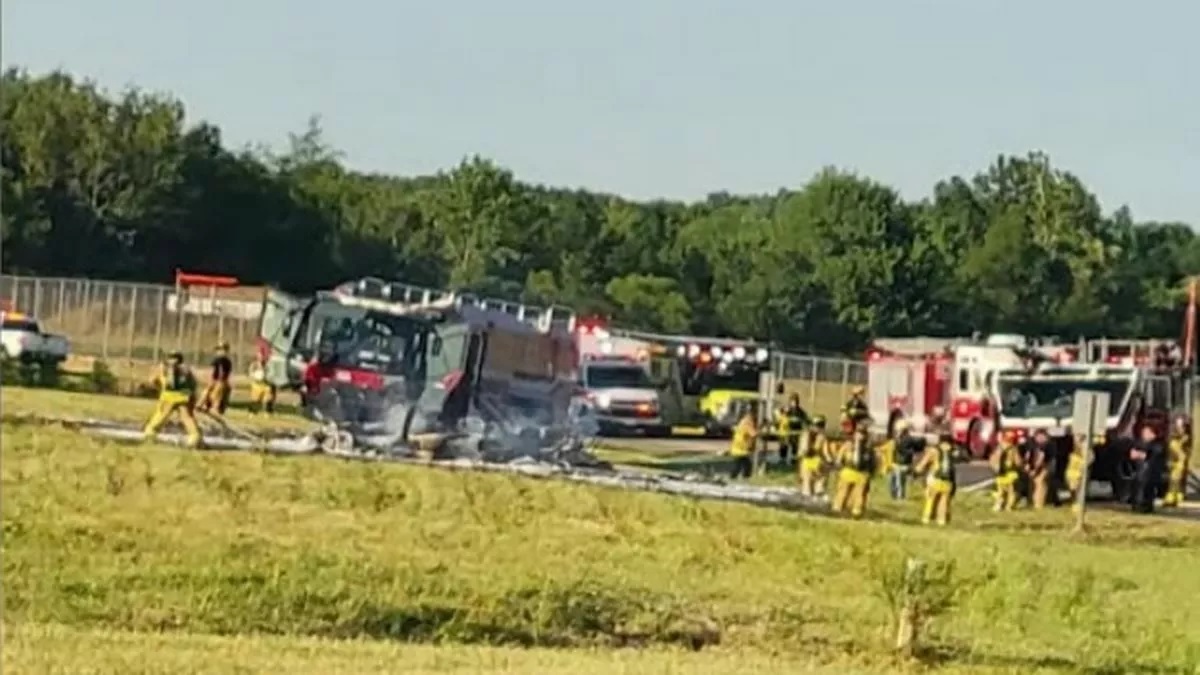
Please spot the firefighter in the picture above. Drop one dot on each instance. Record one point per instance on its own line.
(1148, 456)
(1008, 466)
(745, 435)
(1041, 465)
(262, 392)
(1074, 472)
(938, 465)
(1179, 450)
(792, 420)
(216, 395)
(177, 393)
(857, 462)
(814, 455)
(896, 458)
(855, 409)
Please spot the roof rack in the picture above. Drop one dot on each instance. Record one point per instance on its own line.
(397, 297)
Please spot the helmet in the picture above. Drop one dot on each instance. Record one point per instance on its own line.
(175, 356)
(901, 425)
(945, 438)
(858, 390)
(1008, 436)
(818, 420)
(223, 346)
(1183, 423)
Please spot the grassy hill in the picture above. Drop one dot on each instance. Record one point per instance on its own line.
(127, 558)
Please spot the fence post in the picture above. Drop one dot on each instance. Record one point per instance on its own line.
(133, 303)
(241, 339)
(812, 379)
(37, 297)
(108, 302)
(158, 324)
(62, 301)
(845, 378)
(181, 322)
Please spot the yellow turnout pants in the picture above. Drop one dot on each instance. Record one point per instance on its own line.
(216, 397)
(262, 397)
(937, 501)
(168, 403)
(1040, 487)
(1176, 485)
(851, 492)
(1006, 491)
(812, 477)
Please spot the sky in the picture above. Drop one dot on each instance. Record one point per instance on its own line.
(671, 98)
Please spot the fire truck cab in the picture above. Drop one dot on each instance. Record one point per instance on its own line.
(945, 385)
(370, 347)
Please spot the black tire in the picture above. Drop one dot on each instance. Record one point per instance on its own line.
(658, 431)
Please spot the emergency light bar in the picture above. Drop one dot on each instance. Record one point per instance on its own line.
(708, 354)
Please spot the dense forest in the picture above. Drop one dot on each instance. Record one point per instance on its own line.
(123, 187)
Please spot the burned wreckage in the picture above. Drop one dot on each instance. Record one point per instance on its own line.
(403, 370)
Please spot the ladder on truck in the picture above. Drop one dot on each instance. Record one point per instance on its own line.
(398, 297)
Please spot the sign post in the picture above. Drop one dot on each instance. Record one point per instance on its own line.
(1090, 419)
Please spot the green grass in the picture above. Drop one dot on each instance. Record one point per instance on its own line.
(124, 558)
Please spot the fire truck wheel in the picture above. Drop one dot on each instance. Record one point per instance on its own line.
(976, 445)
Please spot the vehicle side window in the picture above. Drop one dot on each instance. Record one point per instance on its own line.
(964, 379)
(449, 355)
(22, 325)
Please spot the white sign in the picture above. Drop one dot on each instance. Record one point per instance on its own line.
(236, 309)
(1091, 413)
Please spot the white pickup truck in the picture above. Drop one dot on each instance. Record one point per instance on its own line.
(22, 339)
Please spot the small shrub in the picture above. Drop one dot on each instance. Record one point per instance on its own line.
(101, 380)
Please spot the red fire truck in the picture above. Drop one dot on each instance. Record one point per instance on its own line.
(945, 384)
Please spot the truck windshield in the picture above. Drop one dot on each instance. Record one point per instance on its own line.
(603, 377)
(22, 325)
(383, 343)
(1027, 397)
(699, 379)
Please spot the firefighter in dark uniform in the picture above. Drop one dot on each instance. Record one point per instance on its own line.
(793, 421)
(855, 411)
(1148, 457)
(217, 393)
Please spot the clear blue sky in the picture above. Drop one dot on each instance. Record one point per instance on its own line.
(672, 98)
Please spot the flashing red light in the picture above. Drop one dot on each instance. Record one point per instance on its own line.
(643, 355)
(1114, 359)
(874, 355)
(705, 357)
(1066, 357)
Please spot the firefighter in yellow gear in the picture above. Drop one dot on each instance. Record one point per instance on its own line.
(791, 421)
(177, 394)
(814, 455)
(262, 392)
(854, 410)
(745, 435)
(857, 461)
(1179, 450)
(938, 464)
(1074, 471)
(1008, 466)
(216, 395)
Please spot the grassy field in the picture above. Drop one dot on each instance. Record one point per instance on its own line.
(124, 558)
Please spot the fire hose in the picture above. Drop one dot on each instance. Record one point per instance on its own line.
(338, 443)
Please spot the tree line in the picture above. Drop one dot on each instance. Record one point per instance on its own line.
(122, 187)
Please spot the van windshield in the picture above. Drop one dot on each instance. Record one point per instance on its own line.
(604, 377)
(22, 325)
(1054, 397)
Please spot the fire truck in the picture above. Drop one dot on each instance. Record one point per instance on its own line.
(703, 382)
(1148, 383)
(945, 385)
(370, 347)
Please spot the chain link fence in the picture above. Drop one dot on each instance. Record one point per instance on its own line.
(138, 323)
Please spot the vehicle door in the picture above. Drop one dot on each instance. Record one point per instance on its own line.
(664, 372)
(279, 325)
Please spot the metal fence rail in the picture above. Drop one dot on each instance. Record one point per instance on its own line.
(119, 321)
